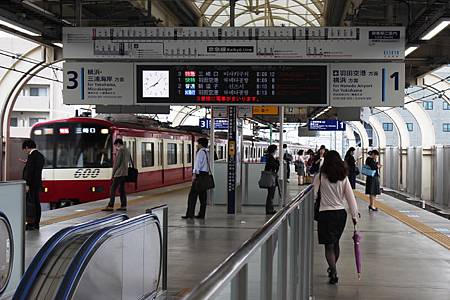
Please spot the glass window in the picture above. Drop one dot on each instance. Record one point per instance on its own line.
(74, 145)
(33, 121)
(388, 126)
(38, 91)
(148, 154)
(188, 153)
(446, 127)
(171, 154)
(410, 126)
(428, 105)
(446, 105)
(14, 122)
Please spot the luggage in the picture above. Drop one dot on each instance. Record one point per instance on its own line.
(132, 172)
(267, 180)
(367, 171)
(205, 182)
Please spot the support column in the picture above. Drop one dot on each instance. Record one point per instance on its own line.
(231, 172)
(403, 170)
(427, 173)
(282, 176)
(212, 144)
(383, 162)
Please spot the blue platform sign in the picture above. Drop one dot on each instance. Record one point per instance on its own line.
(326, 125)
(219, 124)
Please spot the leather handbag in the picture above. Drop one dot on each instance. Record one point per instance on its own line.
(317, 202)
(366, 170)
(267, 180)
(205, 182)
(132, 172)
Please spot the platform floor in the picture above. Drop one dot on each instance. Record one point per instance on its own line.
(398, 261)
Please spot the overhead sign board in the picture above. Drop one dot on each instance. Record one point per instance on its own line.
(249, 43)
(219, 124)
(265, 110)
(367, 84)
(98, 83)
(245, 112)
(326, 125)
(220, 112)
(231, 84)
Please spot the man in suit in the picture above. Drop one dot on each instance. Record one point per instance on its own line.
(32, 174)
(119, 176)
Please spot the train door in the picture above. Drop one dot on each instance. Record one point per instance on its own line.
(130, 144)
(187, 160)
(149, 163)
(172, 162)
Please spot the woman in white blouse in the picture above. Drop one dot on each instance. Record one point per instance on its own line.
(333, 188)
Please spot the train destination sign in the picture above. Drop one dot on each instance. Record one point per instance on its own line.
(232, 84)
(326, 125)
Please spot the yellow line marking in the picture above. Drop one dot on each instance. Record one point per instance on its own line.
(99, 209)
(426, 230)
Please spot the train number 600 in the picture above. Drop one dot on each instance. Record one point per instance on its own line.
(86, 173)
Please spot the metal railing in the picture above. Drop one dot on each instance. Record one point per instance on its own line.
(248, 273)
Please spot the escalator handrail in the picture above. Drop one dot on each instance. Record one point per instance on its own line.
(82, 258)
(28, 279)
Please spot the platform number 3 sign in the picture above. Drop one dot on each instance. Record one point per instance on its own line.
(75, 79)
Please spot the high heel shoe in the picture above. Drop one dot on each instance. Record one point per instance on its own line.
(372, 208)
(329, 272)
(333, 279)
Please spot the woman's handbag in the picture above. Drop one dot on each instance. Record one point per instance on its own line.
(132, 172)
(317, 202)
(366, 170)
(205, 182)
(267, 180)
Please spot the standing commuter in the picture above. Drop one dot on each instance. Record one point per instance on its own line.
(300, 167)
(201, 167)
(287, 157)
(272, 165)
(351, 166)
(119, 176)
(332, 186)
(32, 174)
(373, 182)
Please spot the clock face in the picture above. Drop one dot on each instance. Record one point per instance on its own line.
(155, 84)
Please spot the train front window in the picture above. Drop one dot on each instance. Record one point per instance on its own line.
(73, 145)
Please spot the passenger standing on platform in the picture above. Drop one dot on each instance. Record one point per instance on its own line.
(309, 164)
(300, 167)
(32, 174)
(201, 166)
(351, 166)
(287, 157)
(119, 176)
(272, 165)
(318, 160)
(373, 182)
(334, 187)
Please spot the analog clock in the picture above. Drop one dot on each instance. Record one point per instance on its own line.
(155, 84)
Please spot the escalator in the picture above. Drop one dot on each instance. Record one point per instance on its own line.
(43, 276)
(110, 258)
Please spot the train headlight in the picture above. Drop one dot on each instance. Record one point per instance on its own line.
(93, 189)
(46, 190)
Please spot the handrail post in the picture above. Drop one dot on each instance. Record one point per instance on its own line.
(266, 270)
(282, 261)
(294, 270)
(239, 284)
(165, 246)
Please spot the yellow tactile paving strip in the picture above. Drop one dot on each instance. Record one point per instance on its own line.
(426, 230)
(99, 209)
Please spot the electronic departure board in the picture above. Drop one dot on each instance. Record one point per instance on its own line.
(232, 84)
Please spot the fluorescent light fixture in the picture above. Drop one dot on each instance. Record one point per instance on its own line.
(435, 29)
(60, 45)
(18, 28)
(410, 50)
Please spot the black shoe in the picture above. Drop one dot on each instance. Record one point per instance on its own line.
(271, 212)
(333, 279)
(329, 272)
(372, 208)
(199, 217)
(122, 208)
(187, 217)
(29, 227)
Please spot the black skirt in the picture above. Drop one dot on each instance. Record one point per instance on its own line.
(373, 185)
(330, 225)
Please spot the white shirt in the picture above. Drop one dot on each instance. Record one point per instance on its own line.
(333, 195)
(201, 161)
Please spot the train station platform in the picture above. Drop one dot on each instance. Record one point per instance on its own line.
(405, 250)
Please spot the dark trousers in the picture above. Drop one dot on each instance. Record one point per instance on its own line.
(192, 201)
(33, 206)
(118, 182)
(288, 170)
(269, 199)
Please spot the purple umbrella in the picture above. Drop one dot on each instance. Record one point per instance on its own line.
(356, 241)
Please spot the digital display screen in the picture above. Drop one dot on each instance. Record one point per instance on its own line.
(232, 84)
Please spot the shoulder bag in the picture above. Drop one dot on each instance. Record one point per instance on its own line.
(132, 172)
(317, 202)
(205, 182)
(366, 170)
(267, 180)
